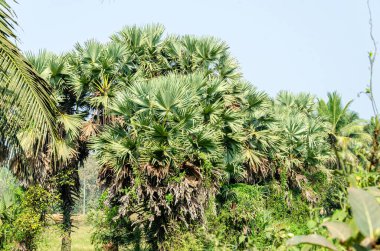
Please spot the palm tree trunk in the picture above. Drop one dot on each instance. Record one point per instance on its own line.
(66, 242)
(84, 196)
(66, 220)
(338, 160)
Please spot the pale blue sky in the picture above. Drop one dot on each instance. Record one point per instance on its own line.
(298, 45)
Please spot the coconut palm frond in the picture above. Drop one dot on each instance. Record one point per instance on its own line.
(26, 100)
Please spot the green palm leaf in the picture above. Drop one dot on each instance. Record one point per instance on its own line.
(25, 97)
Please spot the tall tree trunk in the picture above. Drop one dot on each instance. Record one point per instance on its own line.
(66, 242)
(69, 190)
(339, 161)
(67, 206)
(84, 196)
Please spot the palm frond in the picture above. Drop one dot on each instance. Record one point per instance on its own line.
(26, 100)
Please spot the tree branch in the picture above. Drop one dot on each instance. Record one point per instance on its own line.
(372, 58)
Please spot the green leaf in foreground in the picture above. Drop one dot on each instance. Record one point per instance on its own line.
(365, 210)
(313, 239)
(339, 230)
(374, 191)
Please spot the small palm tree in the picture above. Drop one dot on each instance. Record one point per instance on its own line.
(302, 148)
(346, 130)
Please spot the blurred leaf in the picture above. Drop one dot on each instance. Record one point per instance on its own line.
(311, 224)
(365, 210)
(313, 239)
(339, 215)
(374, 191)
(339, 230)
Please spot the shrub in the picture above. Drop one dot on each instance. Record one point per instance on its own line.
(24, 219)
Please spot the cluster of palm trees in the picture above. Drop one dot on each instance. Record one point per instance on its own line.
(79, 87)
(170, 120)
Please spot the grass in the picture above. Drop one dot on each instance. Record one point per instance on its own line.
(81, 237)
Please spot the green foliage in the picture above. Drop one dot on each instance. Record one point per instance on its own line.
(111, 230)
(240, 217)
(191, 156)
(362, 232)
(183, 135)
(24, 218)
(27, 110)
(365, 211)
(247, 217)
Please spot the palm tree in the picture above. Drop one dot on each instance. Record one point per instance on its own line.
(149, 54)
(346, 130)
(301, 134)
(144, 49)
(55, 70)
(187, 54)
(27, 111)
(165, 157)
(259, 142)
(99, 72)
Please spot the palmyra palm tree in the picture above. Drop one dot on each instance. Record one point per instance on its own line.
(56, 71)
(239, 114)
(301, 135)
(166, 156)
(99, 71)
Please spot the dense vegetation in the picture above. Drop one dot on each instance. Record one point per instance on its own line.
(189, 155)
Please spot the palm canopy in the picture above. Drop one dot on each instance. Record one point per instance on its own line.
(346, 131)
(301, 134)
(176, 137)
(162, 149)
(335, 112)
(99, 70)
(59, 149)
(27, 110)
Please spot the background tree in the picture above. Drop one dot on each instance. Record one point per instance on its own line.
(90, 192)
(346, 130)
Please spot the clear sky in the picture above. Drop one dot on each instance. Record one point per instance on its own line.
(315, 46)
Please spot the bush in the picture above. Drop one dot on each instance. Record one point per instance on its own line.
(111, 231)
(24, 219)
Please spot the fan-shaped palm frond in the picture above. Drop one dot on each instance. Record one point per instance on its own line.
(301, 137)
(167, 143)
